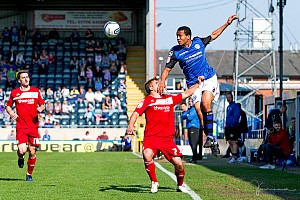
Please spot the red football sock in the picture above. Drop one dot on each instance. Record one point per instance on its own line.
(31, 164)
(150, 168)
(180, 176)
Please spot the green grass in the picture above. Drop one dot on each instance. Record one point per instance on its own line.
(117, 175)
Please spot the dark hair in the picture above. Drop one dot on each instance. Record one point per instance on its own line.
(148, 83)
(229, 93)
(186, 30)
(21, 72)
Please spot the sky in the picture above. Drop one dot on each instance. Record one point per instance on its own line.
(205, 16)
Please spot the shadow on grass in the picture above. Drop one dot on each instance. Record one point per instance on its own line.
(283, 184)
(11, 179)
(133, 188)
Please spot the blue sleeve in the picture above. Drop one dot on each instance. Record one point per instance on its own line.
(171, 60)
(206, 40)
(236, 115)
(192, 114)
(184, 115)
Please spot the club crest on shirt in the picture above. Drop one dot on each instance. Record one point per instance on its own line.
(197, 46)
(169, 56)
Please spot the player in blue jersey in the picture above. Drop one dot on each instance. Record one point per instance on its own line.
(190, 54)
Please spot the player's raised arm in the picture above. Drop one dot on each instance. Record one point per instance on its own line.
(214, 35)
(162, 83)
(192, 89)
(133, 118)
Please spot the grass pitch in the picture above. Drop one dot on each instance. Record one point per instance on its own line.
(120, 175)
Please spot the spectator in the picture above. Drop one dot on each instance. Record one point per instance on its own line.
(5, 35)
(107, 75)
(65, 108)
(53, 35)
(2, 96)
(48, 124)
(12, 56)
(49, 117)
(49, 107)
(75, 36)
(73, 98)
(46, 136)
(20, 62)
(12, 135)
(277, 145)
(90, 97)
(90, 83)
(98, 48)
(107, 103)
(89, 36)
(89, 72)
(98, 73)
(82, 75)
(58, 94)
(81, 95)
(37, 36)
(104, 117)
(102, 145)
(105, 47)
(35, 59)
(14, 33)
(82, 62)
(99, 97)
(23, 32)
(113, 57)
(87, 136)
(122, 87)
(194, 132)
(126, 142)
(98, 59)
(57, 108)
(113, 70)
(116, 104)
(98, 84)
(292, 132)
(121, 50)
(44, 58)
(232, 127)
(123, 67)
(9, 84)
(89, 47)
(11, 74)
(4, 75)
(56, 124)
(105, 60)
(74, 63)
(90, 63)
(103, 136)
(275, 114)
(51, 60)
(49, 94)
(65, 92)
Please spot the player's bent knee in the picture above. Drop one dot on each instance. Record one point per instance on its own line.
(148, 154)
(22, 148)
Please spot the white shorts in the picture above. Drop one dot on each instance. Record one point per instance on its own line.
(211, 85)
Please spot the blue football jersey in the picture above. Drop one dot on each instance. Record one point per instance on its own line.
(191, 60)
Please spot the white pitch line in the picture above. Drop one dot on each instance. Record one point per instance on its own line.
(193, 194)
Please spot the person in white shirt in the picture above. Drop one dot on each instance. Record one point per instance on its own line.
(90, 97)
(116, 103)
(99, 96)
(65, 92)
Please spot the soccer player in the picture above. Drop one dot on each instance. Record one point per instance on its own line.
(190, 53)
(160, 129)
(28, 101)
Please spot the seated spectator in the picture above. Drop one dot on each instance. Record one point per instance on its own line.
(90, 97)
(56, 125)
(65, 92)
(104, 117)
(12, 55)
(107, 75)
(44, 57)
(102, 145)
(113, 57)
(57, 108)
(12, 135)
(75, 36)
(121, 50)
(49, 94)
(20, 62)
(103, 136)
(9, 84)
(116, 104)
(65, 108)
(2, 96)
(89, 115)
(43, 92)
(107, 103)
(58, 94)
(98, 84)
(11, 74)
(43, 69)
(35, 59)
(73, 98)
(122, 86)
(48, 124)
(105, 60)
(98, 48)
(74, 63)
(292, 133)
(51, 59)
(82, 62)
(89, 36)
(89, 47)
(89, 72)
(82, 75)
(53, 35)
(98, 59)
(50, 117)
(106, 85)
(87, 136)
(81, 95)
(123, 68)
(41, 120)
(90, 83)
(4, 75)
(278, 145)
(49, 107)
(99, 97)
(5, 36)
(46, 136)
(113, 70)
(98, 73)
(90, 62)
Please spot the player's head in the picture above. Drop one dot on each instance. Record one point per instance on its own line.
(151, 85)
(23, 78)
(184, 35)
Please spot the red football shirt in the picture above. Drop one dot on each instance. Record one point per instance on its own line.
(26, 103)
(159, 113)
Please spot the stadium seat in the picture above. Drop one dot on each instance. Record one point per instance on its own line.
(123, 122)
(81, 105)
(114, 122)
(65, 122)
(81, 110)
(81, 122)
(73, 122)
(123, 117)
(73, 116)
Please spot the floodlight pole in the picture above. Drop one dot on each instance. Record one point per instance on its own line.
(280, 48)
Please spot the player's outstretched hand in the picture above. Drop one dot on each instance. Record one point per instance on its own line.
(130, 130)
(13, 116)
(161, 87)
(231, 19)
